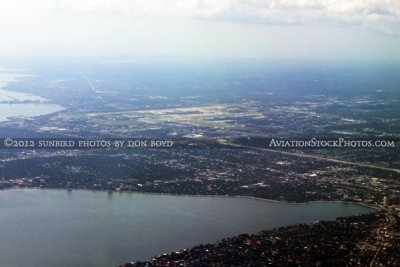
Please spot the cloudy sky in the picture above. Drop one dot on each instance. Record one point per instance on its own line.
(318, 29)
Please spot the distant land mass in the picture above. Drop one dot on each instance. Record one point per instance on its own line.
(236, 104)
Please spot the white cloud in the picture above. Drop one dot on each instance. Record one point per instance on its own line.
(377, 15)
(207, 8)
(201, 27)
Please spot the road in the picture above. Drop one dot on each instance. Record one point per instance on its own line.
(363, 165)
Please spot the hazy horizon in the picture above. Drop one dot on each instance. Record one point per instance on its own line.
(288, 29)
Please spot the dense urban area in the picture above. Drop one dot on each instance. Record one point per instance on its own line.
(362, 240)
(236, 112)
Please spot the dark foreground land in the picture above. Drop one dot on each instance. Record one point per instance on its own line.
(361, 240)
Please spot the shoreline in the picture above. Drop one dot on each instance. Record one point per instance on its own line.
(373, 207)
